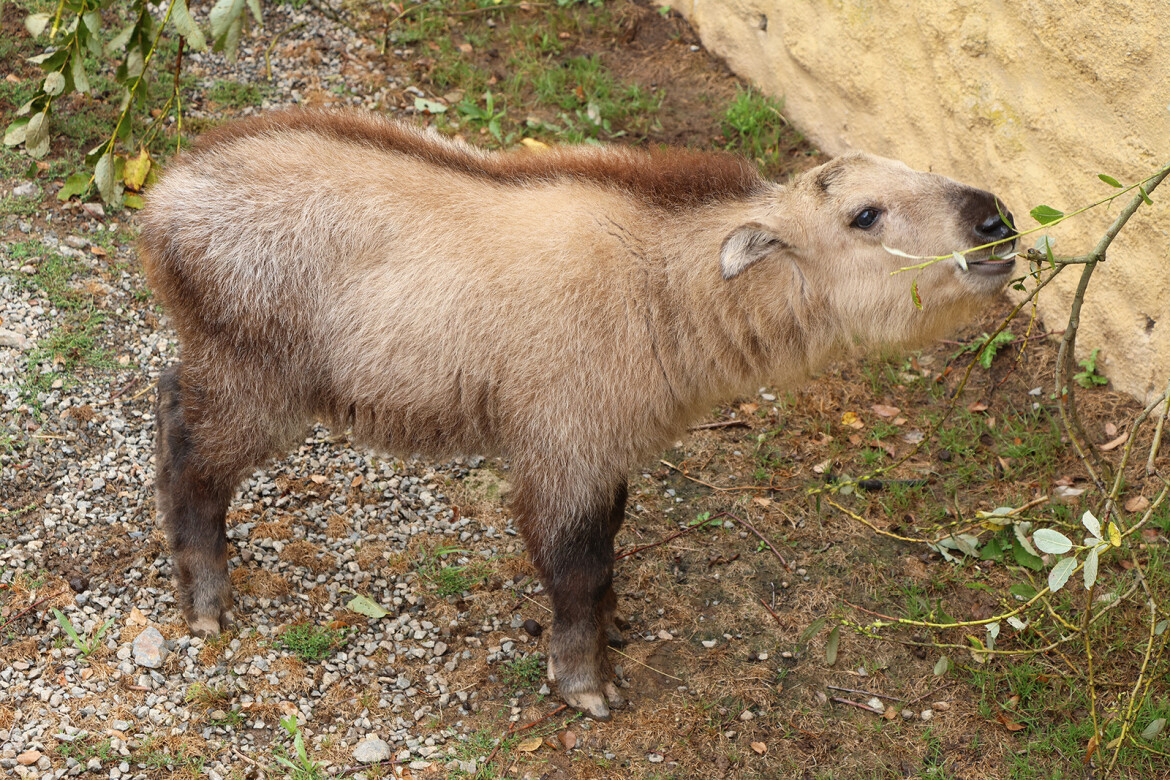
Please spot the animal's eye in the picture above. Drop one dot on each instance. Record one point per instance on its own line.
(866, 218)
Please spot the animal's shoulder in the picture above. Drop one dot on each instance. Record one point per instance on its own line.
(662, 177)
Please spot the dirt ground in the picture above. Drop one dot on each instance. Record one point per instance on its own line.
(734, 565)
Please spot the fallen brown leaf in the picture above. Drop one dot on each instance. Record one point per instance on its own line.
(531, 744)
(760, 747)
(881, 410)
(977, 406)
(569, 739)
(1137, 504)
(1008, 723)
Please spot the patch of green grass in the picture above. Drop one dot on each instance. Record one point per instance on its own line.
(237, 94)
(90, 746)
(312, 643)
(754, 126)
(522, 674)
(296, 763)
(593, 102)
(205, 695)
(451, 580)
(87, 644)
(150, 757)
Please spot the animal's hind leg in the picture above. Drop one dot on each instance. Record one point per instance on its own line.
(575, 557)
(611, 622)
(193, 497)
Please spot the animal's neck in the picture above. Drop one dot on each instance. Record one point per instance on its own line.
(715, 337)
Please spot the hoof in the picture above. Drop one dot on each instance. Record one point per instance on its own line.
(206, 627)
(590, 703)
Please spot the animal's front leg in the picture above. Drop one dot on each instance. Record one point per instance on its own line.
(575, 557)
(192, 503)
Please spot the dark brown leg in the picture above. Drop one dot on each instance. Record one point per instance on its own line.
(575, 557)
(617, 515)
(193, 504)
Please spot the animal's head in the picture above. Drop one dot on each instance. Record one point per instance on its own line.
(833, 226)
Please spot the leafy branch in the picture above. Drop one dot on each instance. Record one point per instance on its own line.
(73, 38)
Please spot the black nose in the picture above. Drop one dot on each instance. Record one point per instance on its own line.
(995, 228)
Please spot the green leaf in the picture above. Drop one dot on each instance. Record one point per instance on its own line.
(1025, 558)
(54, 83)
(133, 201)
(813, 629)
(108, 183)
(120, 40)
(1050, 541)
(1161, 627)
(36, 23)
(223, 13)
(364, 606)
(914, 296)
(1145, 195)
(1016, 623)
(1090, 570)
(831, 646)
(77, 184)
(1154, 729)
(1023, 591)
(254, 7)
(186, 26)
(942, 666)
(77, 70)
(16, 132)
(1112, 182)
(1060, 573)
(1045, 214)
(36, 138)
(1091, 523)
(992, 551)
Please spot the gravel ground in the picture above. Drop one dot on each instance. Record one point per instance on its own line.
(133, 695)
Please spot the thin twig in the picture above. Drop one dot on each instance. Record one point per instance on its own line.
(771, 611)
(648, 666)
(686, 530)
(762, 538)
(858, 705)
(272, 44)
(668, 464)
(720, 424)
(260, 767)
(864, 693)
(514, 730)
(31, 607)
(931, 692)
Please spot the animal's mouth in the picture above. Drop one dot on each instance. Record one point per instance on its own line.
(999, 261)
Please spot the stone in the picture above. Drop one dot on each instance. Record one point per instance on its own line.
(27, 190)
(371, 750)
(150, 648)
(9, 338)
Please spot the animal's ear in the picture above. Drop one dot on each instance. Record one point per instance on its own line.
(747, 244)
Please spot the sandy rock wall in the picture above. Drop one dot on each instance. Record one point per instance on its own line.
(1029, 99)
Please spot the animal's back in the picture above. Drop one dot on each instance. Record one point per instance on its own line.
(466, 295)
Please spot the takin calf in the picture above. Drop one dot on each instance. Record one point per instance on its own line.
(572, 310)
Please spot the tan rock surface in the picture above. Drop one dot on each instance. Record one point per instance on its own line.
(1030, 99)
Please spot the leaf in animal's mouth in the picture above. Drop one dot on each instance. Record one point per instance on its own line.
(995, 259)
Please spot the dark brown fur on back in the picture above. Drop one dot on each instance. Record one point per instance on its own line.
(667, 178)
